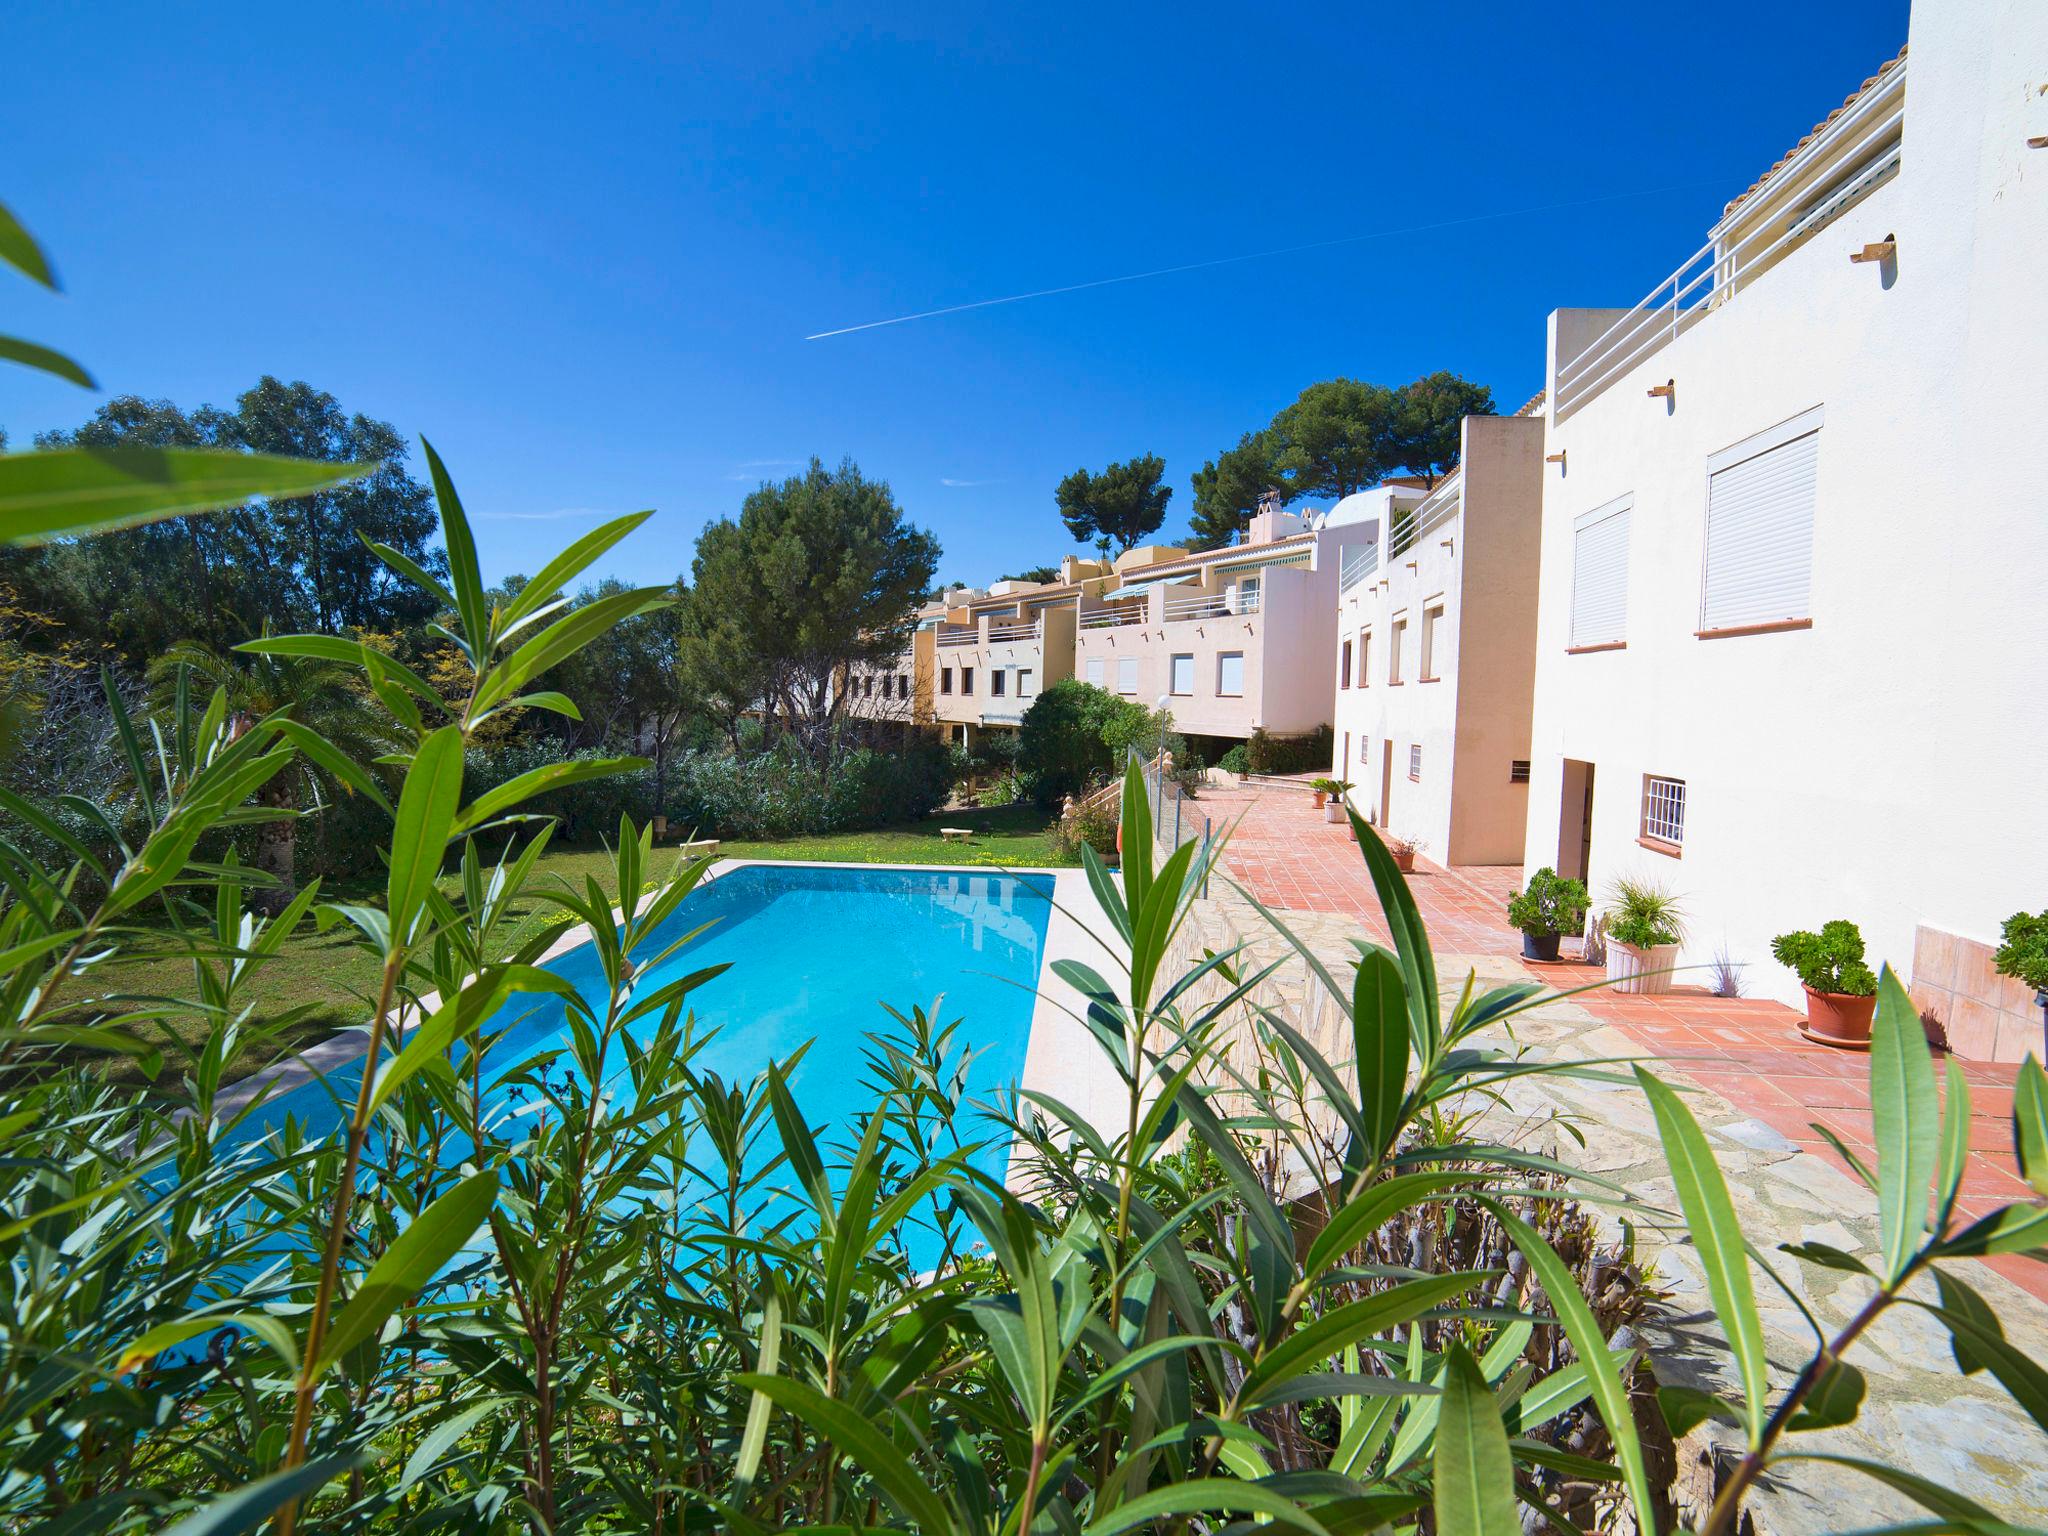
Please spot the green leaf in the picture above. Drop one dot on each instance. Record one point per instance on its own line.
(43, 359)
(800, 1146)
(425, 821)
(563, 639)
(245, 1508)
(1906, 1115)
(1955, 1144)
(61, 492)
(567, 566)
(1317, 1341)
(902, 1484)
(539, 781)
(1379, 1030)
(1475, 1472)
(1835, 1400)
(767, 1358)
(1411, 940)
(463, 574)
(1935, 1498)
(1685, 1408)
(19, 250)
(2030, 1123)
(1717, 1237)
(409, 1265)
(454, 1020)
(1202, 1496)
(1357, 1218)
(1604, 1381)
(1982, 1343)
(441, 1439)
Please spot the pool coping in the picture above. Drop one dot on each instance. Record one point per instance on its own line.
(1061, 1058)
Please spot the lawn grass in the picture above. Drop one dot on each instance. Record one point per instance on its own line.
(323, 982)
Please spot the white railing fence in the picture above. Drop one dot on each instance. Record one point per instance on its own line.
(1359, 563)
(1213, 605)
(959, 636)
(1111, 618)
(1013, 631)
(1410, 527)
(1864, 141)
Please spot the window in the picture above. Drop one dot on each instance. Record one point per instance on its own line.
(1183, 675)
(1394, 639)
(945, 679)
(1415, 761)
(1095, 670)
(1759, 557)
(1230, 674)
(1518, 771)
(1600, 577)
(868, 686)
(1248, 595)
(1663, 813)
(996, 681)
(1025, 687)
(902, 686)
(1432, 619)
(967, 679)
(1127, 674)
(1365, 658)
(1344, 667)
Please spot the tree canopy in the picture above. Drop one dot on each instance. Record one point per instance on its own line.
(295, 564)
(1035, 573)
(1227, 491)
(1118, 507)
(1429, 415)
(1337, 437)
(816, 575)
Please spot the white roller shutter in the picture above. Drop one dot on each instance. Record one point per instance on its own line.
(1759, 563)
(1600, 575)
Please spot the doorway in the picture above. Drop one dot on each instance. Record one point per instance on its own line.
(1575, 820)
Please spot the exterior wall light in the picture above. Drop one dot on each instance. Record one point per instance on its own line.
(1877, 250)
(1668, 390)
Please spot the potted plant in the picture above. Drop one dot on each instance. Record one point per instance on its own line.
(1403, 849)
(1644, 926)
(1841, 991)
(2023, 955)
(1549, 905)
(1335, 812)
(1324, 788)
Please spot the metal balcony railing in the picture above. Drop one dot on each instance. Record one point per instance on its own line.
(1111, 618)
(1013, 631)
(1213, 605)
(1861, 148)
(959, 636)
(1358, 564)
(1435, 509)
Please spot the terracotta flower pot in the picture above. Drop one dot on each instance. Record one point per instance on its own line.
(1320, 798)
(1404, 859)
(1539, 946)
(1839, 1019)
(1641, 971)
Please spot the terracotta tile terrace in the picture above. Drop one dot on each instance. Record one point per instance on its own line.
(1748, 1050)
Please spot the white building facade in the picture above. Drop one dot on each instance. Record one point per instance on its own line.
(1792, 640)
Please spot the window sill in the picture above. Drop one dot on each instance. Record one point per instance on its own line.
(1395, 682)
(1587, 650)
(1439, 677)
(1414, 778)
(1658, 845)
(1776, 627)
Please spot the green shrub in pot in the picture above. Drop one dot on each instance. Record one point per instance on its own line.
(1829, 962)
(1551, 904)
(2023, 950)
(1644, 914)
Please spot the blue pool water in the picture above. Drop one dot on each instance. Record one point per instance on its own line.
(815, 951)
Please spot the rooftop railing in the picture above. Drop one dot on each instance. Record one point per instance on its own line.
(1358, 564)
(1013, 631)
(959, 636)
(1861, 150)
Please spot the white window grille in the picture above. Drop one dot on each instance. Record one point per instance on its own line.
(1600, 576)
(1664, 810)
(1415, 761)
(1759, 557)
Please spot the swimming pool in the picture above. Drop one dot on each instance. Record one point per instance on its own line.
(815, 951)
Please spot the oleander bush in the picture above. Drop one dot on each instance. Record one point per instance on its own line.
(1310, 753)
(605, 1289)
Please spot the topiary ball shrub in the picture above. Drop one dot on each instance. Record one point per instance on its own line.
(1829, 962)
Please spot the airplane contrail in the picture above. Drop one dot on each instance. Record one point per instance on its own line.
(1226, 261)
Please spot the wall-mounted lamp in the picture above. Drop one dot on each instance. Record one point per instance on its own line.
(1555, 458)
(1877, 250)
(1668, 390)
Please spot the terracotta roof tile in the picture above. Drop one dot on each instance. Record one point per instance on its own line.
(1818, 129)
(1535, 403)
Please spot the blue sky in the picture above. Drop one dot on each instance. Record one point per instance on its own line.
(581, 251)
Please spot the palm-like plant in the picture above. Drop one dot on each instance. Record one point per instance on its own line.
(326, 696)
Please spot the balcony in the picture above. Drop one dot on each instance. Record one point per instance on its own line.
(1358, 566)
(1212, 605)
(1850, 157)
(1112, 618)
(949, 636)
(1012, 632)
